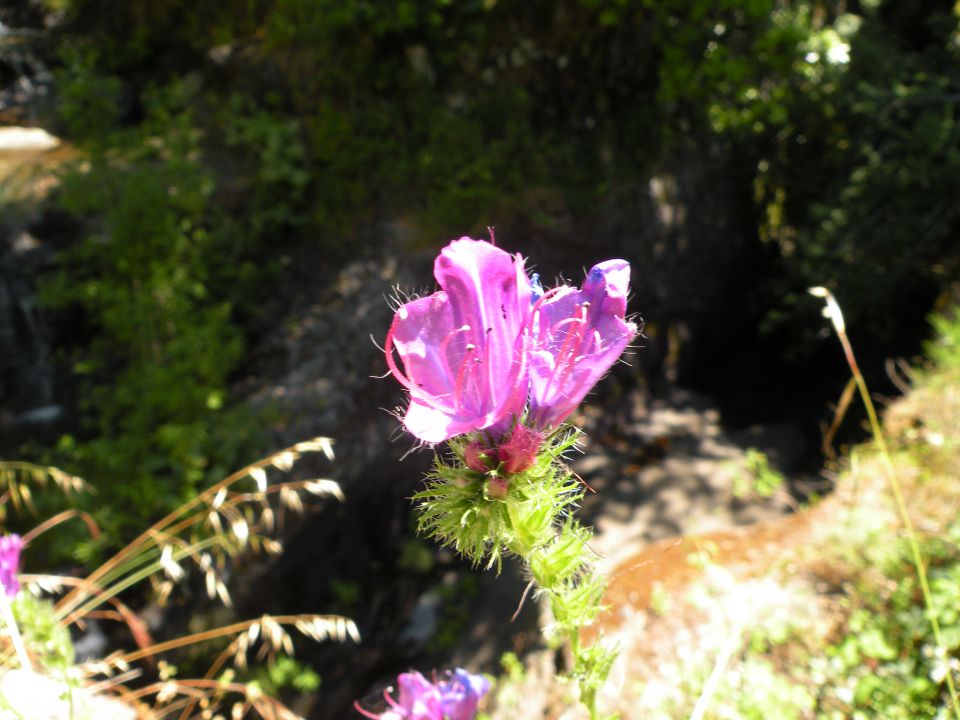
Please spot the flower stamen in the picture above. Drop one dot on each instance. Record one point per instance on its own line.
(462, 375)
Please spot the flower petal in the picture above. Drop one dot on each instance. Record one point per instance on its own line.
(10, 547)
(419, 697)
(419, 330)
(577, 336)
(462, 348)
(432, 425)
(490, 294)
(462, 693)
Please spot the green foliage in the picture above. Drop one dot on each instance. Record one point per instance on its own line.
(285, 672)
(858, 183)
(758, 478)
(161, 344)
(944, 349)
(887, 661)
(273, 146)
(43, 633)
(89, 100)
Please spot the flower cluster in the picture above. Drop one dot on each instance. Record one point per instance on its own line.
(10, 547)
(490, 345)
(455, 698)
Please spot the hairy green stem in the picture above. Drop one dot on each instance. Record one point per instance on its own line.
(531, 520)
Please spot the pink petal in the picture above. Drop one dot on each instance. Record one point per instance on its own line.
(461, 349)
(433, 426)
(577, 336)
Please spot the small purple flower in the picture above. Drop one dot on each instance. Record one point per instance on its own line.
(10, 547)
(455, 698)
(576, 335)
(462, 347)
(461, 693)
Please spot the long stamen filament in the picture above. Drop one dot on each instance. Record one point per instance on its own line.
(465, 367)
(566, 356)
(445, 343)
(416, 391)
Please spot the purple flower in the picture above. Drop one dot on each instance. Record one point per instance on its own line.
(576, 335)
(455, 698)
(474, 353)
(10, 547)
(462, 347)
(461, 693)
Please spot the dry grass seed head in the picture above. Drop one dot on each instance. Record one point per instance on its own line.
(171, 567)
(317, 444)
(219, 498)
(276, 636)
(272, 547)
(284, 460)
(213, 520)
(40, 584)
(323, 486)
(67, 482)
(267, 519)
(259, 476)
(241, 531)
(240, 647)
(167, 693)
(291, 500)
(321, 628)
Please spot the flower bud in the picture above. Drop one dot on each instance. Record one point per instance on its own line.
(519, 452)
(497, 487)
(476, 455)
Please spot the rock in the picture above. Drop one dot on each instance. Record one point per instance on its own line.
(423, 624)
(669, 469)
(38, 697)
(26, 139)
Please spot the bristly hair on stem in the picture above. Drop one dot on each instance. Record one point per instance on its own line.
(485, 515)
(457, 509)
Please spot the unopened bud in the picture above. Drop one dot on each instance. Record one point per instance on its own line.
(497, 488)
(476, 455)
(519, 452)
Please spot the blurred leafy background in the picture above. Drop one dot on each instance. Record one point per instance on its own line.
(813, 143)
